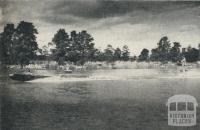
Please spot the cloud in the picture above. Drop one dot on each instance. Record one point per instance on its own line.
(185, 28)
(102, 9)
(3, 5)
(81, 12)
(137, 23)
(97, 16)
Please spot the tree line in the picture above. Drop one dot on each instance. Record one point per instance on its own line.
(78, 47)
(164, 52)
(18, 46)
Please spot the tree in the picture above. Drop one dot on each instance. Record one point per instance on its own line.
(61, 39)
(144, 56)
(117, 54)
(81, 48)
(72, 54)
(192, 54)
(125, 53)
(92, 54)
(62, 42)
(163, 49)
(108, 53)
(175, 52)
(154, 55)
(99, 55)
(24, 44)
(7, 42)
(85, 46)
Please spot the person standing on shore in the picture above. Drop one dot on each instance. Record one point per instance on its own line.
(183, 65)
(183, 62)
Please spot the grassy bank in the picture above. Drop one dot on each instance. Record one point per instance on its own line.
(89, 66)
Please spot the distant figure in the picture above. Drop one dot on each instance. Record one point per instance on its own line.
(183, 64)
(183, 61)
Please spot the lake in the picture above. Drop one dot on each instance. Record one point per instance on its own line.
(121, 99)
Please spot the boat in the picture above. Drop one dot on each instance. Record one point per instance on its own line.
(74, 75)
(25, 76)
(67, 71)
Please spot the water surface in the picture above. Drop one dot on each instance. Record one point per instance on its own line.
(129, 99)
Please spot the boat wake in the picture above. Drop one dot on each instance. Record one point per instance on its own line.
(61, 78)
(118, 75)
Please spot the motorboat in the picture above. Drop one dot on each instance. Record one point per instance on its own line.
(67, 71)
(25, 76)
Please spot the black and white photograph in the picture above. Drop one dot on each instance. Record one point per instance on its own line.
(99, 65)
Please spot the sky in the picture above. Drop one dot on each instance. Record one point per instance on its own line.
(138, 24)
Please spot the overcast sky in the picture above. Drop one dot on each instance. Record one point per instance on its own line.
(136, 24)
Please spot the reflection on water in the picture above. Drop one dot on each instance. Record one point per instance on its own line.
(128, 104)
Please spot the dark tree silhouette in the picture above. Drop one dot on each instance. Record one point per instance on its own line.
(85, 46)
(108, 53)
(24, 44)
(125, 53)
(99, 56)
(7, 42)
(154, 55)
(117, 54)
(77, 48)
(82, 47)
(192, 54)
(73, 54)
(61, 40)
(163, 49)
(175, 52)
(144, 56)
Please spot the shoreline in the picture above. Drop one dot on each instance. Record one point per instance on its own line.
(105, 66)
(121, 75)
